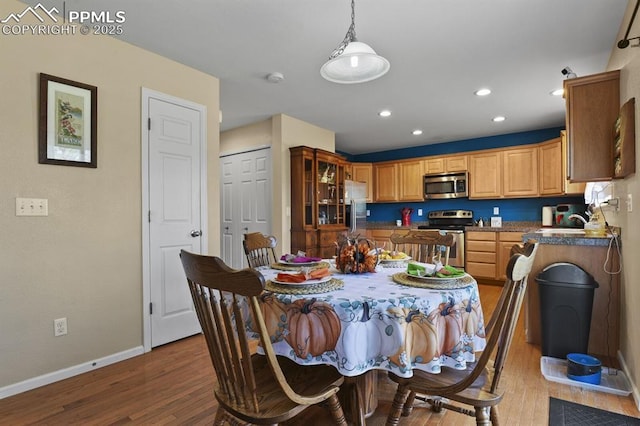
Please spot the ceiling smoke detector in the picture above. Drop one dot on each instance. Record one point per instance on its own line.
(275, 77)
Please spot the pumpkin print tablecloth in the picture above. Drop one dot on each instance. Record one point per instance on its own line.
(375, 323)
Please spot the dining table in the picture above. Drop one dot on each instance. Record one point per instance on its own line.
(364, 323)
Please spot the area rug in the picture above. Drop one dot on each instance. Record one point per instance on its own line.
(565, 413)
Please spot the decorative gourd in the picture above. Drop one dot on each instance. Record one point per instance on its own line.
(356, 255)
(421, 344)
(366, 339)
(314, 327)
(472, 318)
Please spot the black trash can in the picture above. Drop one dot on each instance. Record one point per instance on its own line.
(566, 301)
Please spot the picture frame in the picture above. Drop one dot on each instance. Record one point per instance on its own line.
(67, 122)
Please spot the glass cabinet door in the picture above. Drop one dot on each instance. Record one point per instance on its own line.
(330, 181)
(308, 191)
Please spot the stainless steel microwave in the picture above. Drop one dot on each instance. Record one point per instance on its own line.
(446, 185)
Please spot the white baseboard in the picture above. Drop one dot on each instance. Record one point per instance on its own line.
(634, 388)
(65, 373)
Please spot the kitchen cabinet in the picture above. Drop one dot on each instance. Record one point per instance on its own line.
(481, 254)
(317, 200)
(520, 172)
(592, 104)
(485, 174)
(363, 172)
(570, 188)
(624, 142)
(385, 182)
(551, 177)
(506, 240)
(382, 237)
(410, 175)
(455, 163)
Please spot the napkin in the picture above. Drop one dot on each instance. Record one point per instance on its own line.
(299, 259)
(301, 277)
(420, 269)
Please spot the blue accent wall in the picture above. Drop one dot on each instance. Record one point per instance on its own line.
(512, 209)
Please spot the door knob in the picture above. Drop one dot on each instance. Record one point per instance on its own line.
(195, 233)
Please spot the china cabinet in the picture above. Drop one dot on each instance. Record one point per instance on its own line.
(317, 201)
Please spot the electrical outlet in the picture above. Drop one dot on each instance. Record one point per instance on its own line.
(32, 207)
(496, 211)
(629, 203)
(59, 327)
(419, 212)
(368, 212)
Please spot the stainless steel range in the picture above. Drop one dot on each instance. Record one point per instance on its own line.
(451, 222)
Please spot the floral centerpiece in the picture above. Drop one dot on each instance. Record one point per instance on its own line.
(356, 255)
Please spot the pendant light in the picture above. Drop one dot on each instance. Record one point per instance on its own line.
(353, 61)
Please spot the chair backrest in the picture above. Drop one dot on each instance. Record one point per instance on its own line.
(224, 299)
(259, 249)
(429, 246)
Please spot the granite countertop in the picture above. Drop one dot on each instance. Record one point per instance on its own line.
(528, 230)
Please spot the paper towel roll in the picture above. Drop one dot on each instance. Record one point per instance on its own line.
(547, 215)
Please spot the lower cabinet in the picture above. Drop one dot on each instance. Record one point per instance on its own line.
(505, 243)
(382, 237)
(481, 254)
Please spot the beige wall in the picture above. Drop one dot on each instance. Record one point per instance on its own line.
(628, 61)
(280, 133)
(84, 260)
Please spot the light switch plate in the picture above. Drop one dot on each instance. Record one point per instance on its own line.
(496, 222)
(32, 207)
(419, 212)
(496, 211)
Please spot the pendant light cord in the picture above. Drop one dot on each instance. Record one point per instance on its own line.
(625, 41)
(350, 36)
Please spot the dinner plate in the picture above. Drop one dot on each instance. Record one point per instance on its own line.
(394, 260)
(284, 262)
(435, 278)
(307, 282)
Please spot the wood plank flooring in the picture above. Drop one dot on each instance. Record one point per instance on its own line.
(173, 385)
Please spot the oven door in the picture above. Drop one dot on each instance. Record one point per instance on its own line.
(456, 253)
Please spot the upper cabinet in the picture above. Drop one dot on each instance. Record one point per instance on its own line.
(385, 178)
(410, 174)
(550, 172)
(363, 172)
(592, 109)
(485, 175)
(453, 163)
(520, 172)
(570, 188)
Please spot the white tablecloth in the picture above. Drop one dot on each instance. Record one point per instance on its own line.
(375, 323)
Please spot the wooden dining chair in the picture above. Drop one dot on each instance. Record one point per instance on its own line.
(475, 389)
(259, 249)
(429, 246)
(257, 389)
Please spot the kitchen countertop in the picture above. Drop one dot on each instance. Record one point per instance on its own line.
(527, 228)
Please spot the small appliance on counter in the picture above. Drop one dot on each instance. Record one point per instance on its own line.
(563, 211)
(547, 216)
(406, 216)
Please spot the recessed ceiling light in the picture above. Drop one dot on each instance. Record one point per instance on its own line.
(557, 92)
(384, 113)
(416, 132)
(482, 92)
(498, 118)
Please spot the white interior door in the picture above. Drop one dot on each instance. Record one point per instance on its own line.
(246, 201)
(176, 194)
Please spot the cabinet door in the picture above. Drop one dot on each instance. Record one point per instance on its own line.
(363, 172)
(434, 165)
(507, 240)
(457, 163)
(485, 175)
(411, 181)
(576, 188)
(520, 178)
(592, 108)
(550, 168)
(385, 182)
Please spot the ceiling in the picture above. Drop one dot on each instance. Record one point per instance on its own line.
(440, 53)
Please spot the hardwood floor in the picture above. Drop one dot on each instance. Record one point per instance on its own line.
(173, 385)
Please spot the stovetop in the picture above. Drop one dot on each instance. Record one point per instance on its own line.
(449, 219)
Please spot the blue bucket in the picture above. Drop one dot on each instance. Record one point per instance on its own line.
(584, 368)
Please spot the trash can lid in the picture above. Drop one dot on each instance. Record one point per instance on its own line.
(566, 273)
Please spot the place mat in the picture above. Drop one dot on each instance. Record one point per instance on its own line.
(332, 284)
(566, 413)
(284, 267)
(437, 283)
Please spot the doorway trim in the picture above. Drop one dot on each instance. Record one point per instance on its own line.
(146, 271)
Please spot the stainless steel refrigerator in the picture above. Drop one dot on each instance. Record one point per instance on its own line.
(355, 194)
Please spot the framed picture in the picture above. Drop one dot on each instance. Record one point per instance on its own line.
(68, 126)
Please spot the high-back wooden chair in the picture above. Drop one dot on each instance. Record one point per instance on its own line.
(257, 389)
(473, 391)
(427, 246)
(259, 249)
